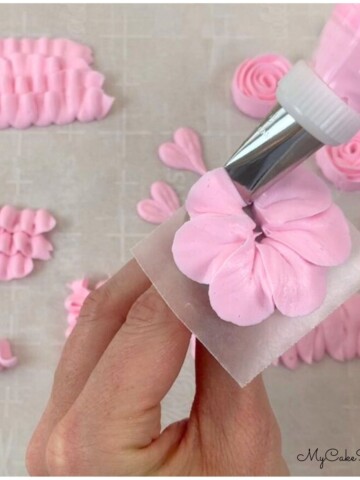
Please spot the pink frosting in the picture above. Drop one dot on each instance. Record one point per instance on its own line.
(279, 261)
(338, 336)
(337, 57)
(162, 204)
(36, 68)
(49, 47)
(192, 345)
(255, 81)
(75, 300)
(7, 359)
(22, 240)
(49, 81)
(341, 164)
(185, 152)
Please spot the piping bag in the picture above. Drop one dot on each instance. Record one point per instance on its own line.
(318, 104)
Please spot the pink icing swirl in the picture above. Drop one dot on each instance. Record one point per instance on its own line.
(338, 336)
(341, 164)
(255, 81)
(278, 261)
(22, 240)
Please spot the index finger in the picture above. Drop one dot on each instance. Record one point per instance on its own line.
(102, 315)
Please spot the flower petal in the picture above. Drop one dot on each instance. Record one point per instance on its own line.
(290, 358)
(41, 247)
(185, 152)
(334, 334)
(323, 239)
(214, 193)
(239, 293)
(161, 206)
(190, 142)
(299, 194)
(297, 286)
(165, 195)
(204, 243)
(319, 344)
(305, 347)
(349, 315)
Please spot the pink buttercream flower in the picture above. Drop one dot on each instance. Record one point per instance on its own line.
(276, 260)
(255, 81)
(75, 300)
(341, 164)
(22, 240)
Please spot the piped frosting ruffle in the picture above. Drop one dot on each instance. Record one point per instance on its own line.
(48, 47)
(22, 240)
(48, 82)
(338, 337)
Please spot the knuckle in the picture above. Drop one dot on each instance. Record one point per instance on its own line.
(34, 460)
(63, 452)
(72, 451)
(148, 307)
(96, 303)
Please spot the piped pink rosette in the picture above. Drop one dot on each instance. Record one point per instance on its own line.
(338, 336)
(22, 240)
(255, 81)
(276, 259)
(49, 81)
(75, 300)
(341, 164)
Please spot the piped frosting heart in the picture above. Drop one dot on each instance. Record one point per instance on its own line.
(22, 240)
(184, 153)
(162, 204)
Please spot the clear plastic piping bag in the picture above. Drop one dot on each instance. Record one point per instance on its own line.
(243, 351)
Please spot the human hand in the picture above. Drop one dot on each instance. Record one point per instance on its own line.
(103, 416)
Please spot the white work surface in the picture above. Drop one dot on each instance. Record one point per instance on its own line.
(168, 66)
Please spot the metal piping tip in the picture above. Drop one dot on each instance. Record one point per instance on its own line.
(277, 146)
